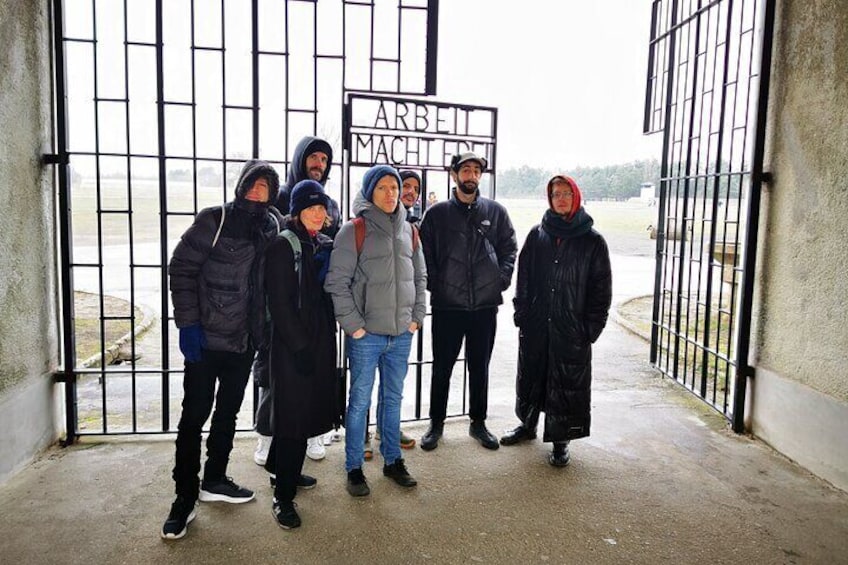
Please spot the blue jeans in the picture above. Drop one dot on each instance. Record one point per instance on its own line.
(389, 354)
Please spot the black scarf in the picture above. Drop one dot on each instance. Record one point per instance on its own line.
(557, 226)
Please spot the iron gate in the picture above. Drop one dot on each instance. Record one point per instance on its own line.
(707, 91)
(419, 135)
(157, 105)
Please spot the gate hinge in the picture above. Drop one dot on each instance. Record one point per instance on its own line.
(747, 371)
(55, 159)
(63, 376)
(766, 177)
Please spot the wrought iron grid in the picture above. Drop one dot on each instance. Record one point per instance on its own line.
(158, 104)
(705, 95)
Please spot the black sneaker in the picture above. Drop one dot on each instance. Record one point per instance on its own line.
(224, 490)
(304, 481)
(285, 514)
(398, 473)
(182, 512)
(430, 440)
(356, 483)
(478, 431)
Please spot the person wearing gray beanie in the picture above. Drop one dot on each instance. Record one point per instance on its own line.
(379, 309)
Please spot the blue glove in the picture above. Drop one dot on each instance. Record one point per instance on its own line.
(322, 259)
(192, 342)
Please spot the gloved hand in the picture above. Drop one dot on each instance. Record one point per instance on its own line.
(192, 342)
(322, 260)
(304, 361)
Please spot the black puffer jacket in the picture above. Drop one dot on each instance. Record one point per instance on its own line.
(297, 172)
(221, 286)
(562, 299)
(470, 253)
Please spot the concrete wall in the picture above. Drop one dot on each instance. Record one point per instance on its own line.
(28, 318)
(800, 393)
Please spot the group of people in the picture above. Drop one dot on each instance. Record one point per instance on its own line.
(265, 280)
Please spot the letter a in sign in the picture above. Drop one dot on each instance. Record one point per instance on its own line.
(381, 116)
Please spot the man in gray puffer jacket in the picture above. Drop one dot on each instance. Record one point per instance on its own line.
(377, 279)
(216, 278)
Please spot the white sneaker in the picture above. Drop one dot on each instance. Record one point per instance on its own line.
(327, 439)
(260, 456)
(315, 448)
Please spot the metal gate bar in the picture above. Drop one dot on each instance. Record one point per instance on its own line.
(701, 86)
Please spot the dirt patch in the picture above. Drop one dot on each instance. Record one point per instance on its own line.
(94, 336)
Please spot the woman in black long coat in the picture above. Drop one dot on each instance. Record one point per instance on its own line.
(561, 302)
(303, 345)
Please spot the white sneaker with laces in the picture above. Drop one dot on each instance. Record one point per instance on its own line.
(260, 456)
(315, 448)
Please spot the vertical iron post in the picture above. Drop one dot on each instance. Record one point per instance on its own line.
(743, 330)
(69, 357)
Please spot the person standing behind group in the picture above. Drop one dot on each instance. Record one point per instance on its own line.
(378, 280)
(217, 289)
(469, 246)
(410, 190)
(303, 345)
(562, 300)
(312, 160)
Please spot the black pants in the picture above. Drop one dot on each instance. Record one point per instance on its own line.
(231, 371)
(286, 461)
(450, 327)
(261, 378)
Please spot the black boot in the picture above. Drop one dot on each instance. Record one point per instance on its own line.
(517, 435)
(478, 431)
(559, 456)
(430, 440)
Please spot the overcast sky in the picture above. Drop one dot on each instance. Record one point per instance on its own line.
(568, 76)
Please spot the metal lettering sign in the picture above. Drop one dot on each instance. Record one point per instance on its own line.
(413, 133)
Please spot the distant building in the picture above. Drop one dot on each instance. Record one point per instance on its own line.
(648, 193)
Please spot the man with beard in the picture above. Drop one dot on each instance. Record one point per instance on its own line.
(312, 159)
(469, 247)
(217, 288)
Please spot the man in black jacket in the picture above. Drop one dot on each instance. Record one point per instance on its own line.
(311, 160)
(469, 247)
(217, 288)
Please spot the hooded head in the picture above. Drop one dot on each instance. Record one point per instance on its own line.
(307, 193)
(250, 173)
(564, 186)
(408, 197)
(373, 176)
(299, 169)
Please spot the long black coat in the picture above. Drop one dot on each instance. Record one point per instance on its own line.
(562, 299)
(305, 405)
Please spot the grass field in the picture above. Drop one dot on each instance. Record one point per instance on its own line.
(624, 224)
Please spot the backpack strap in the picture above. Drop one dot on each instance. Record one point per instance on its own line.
(294, 241)
(415, 237)
(220, 226)
(359, 232)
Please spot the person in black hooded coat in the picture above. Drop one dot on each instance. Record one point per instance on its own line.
(311, 160)
(562, 300)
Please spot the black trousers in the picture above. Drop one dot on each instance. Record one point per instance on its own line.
(286, 462)
(450, 327)
(231, 371)
(262, 380)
